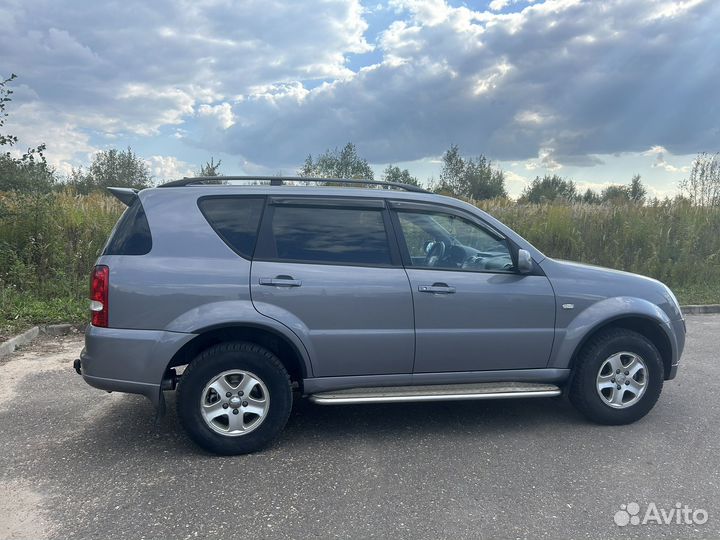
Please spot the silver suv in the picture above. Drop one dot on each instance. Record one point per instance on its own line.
(239, 295)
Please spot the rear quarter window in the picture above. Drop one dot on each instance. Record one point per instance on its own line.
(235, 219)
(131, 235)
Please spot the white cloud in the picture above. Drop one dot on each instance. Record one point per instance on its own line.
(498, 5)
(580, 78)
(222, 113)
(529, 117)
(168, 168)
(659, 162)
(136, 67)
(67, 144)
(674, 8)
(544, 162)
(514, 182)
(551, 84)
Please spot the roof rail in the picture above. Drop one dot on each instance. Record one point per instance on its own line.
(280, 180)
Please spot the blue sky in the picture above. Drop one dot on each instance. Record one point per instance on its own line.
(593, 90)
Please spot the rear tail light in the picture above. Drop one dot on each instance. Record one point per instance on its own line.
(99, 285)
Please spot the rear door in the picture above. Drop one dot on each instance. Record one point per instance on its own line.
(473, 311)
(328, 269)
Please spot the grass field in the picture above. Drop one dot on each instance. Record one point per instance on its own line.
(48, 244)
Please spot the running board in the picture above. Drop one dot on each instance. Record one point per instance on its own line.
(435, 392)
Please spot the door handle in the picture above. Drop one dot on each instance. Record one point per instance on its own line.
(280, 281)
(437, 288)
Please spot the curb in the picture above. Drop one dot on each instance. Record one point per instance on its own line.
(700, 309)
(11, 344)
(8, 347)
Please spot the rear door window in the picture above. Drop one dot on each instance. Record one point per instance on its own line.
(235, 220)
(353, 236)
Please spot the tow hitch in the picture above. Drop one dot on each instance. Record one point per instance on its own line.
(77, 366)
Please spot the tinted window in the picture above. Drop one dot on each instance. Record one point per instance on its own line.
(131, 235)
(235, 219)
(330, 235)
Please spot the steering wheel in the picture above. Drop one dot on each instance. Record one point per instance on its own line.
(435, 252)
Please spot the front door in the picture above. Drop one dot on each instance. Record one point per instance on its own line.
(326, 269)
(473, 311)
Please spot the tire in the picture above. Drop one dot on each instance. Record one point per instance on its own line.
(593, 389)
(238, 368)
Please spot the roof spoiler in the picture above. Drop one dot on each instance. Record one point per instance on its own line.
(125, 194)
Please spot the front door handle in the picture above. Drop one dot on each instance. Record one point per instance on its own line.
(280, 281)
(437, 288)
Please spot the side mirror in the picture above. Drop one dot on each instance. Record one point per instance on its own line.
(524, 262)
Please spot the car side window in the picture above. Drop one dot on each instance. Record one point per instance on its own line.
(445, 241)
(330, 235)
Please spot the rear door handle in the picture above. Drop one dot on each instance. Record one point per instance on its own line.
(280, 281)
(437, 288)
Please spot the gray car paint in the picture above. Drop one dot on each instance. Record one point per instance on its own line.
(492, 321)
(126, 360)
(192, 281)
(599, 295)
(358, 319)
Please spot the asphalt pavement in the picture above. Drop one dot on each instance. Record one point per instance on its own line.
(76, 462)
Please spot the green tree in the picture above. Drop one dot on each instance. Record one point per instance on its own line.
(393, 173)
(470, 178)
(113, 168)
(210, 168)
(702, 187)
(548, 189)
(5, 93)
(615, 194)
(345, 163)
(591, 197)
(28, 173)
(636, 190)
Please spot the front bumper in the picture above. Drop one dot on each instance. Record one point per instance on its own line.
(679, 330)
(133, 361)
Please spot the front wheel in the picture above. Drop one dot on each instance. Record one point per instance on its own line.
(618, 378)
(234, 398)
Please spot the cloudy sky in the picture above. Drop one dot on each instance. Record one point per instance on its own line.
(595, 90)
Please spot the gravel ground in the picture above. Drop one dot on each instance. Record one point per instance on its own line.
(76, 462)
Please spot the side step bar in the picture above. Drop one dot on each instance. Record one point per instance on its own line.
(449, 392)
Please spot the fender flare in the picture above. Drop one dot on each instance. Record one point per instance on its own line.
(239, 313)
(570, 340)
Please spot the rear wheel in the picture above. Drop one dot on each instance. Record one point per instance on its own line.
(234, 398)
(618, 378)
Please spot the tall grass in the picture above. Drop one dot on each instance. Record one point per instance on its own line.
(49, 242)
(674, 242)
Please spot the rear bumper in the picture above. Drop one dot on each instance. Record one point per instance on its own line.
(133, 361)
(150, 391)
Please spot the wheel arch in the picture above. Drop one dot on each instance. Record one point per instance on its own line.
(643, 325)
(289, 354)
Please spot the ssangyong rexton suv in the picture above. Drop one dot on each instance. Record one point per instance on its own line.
(351, 295)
